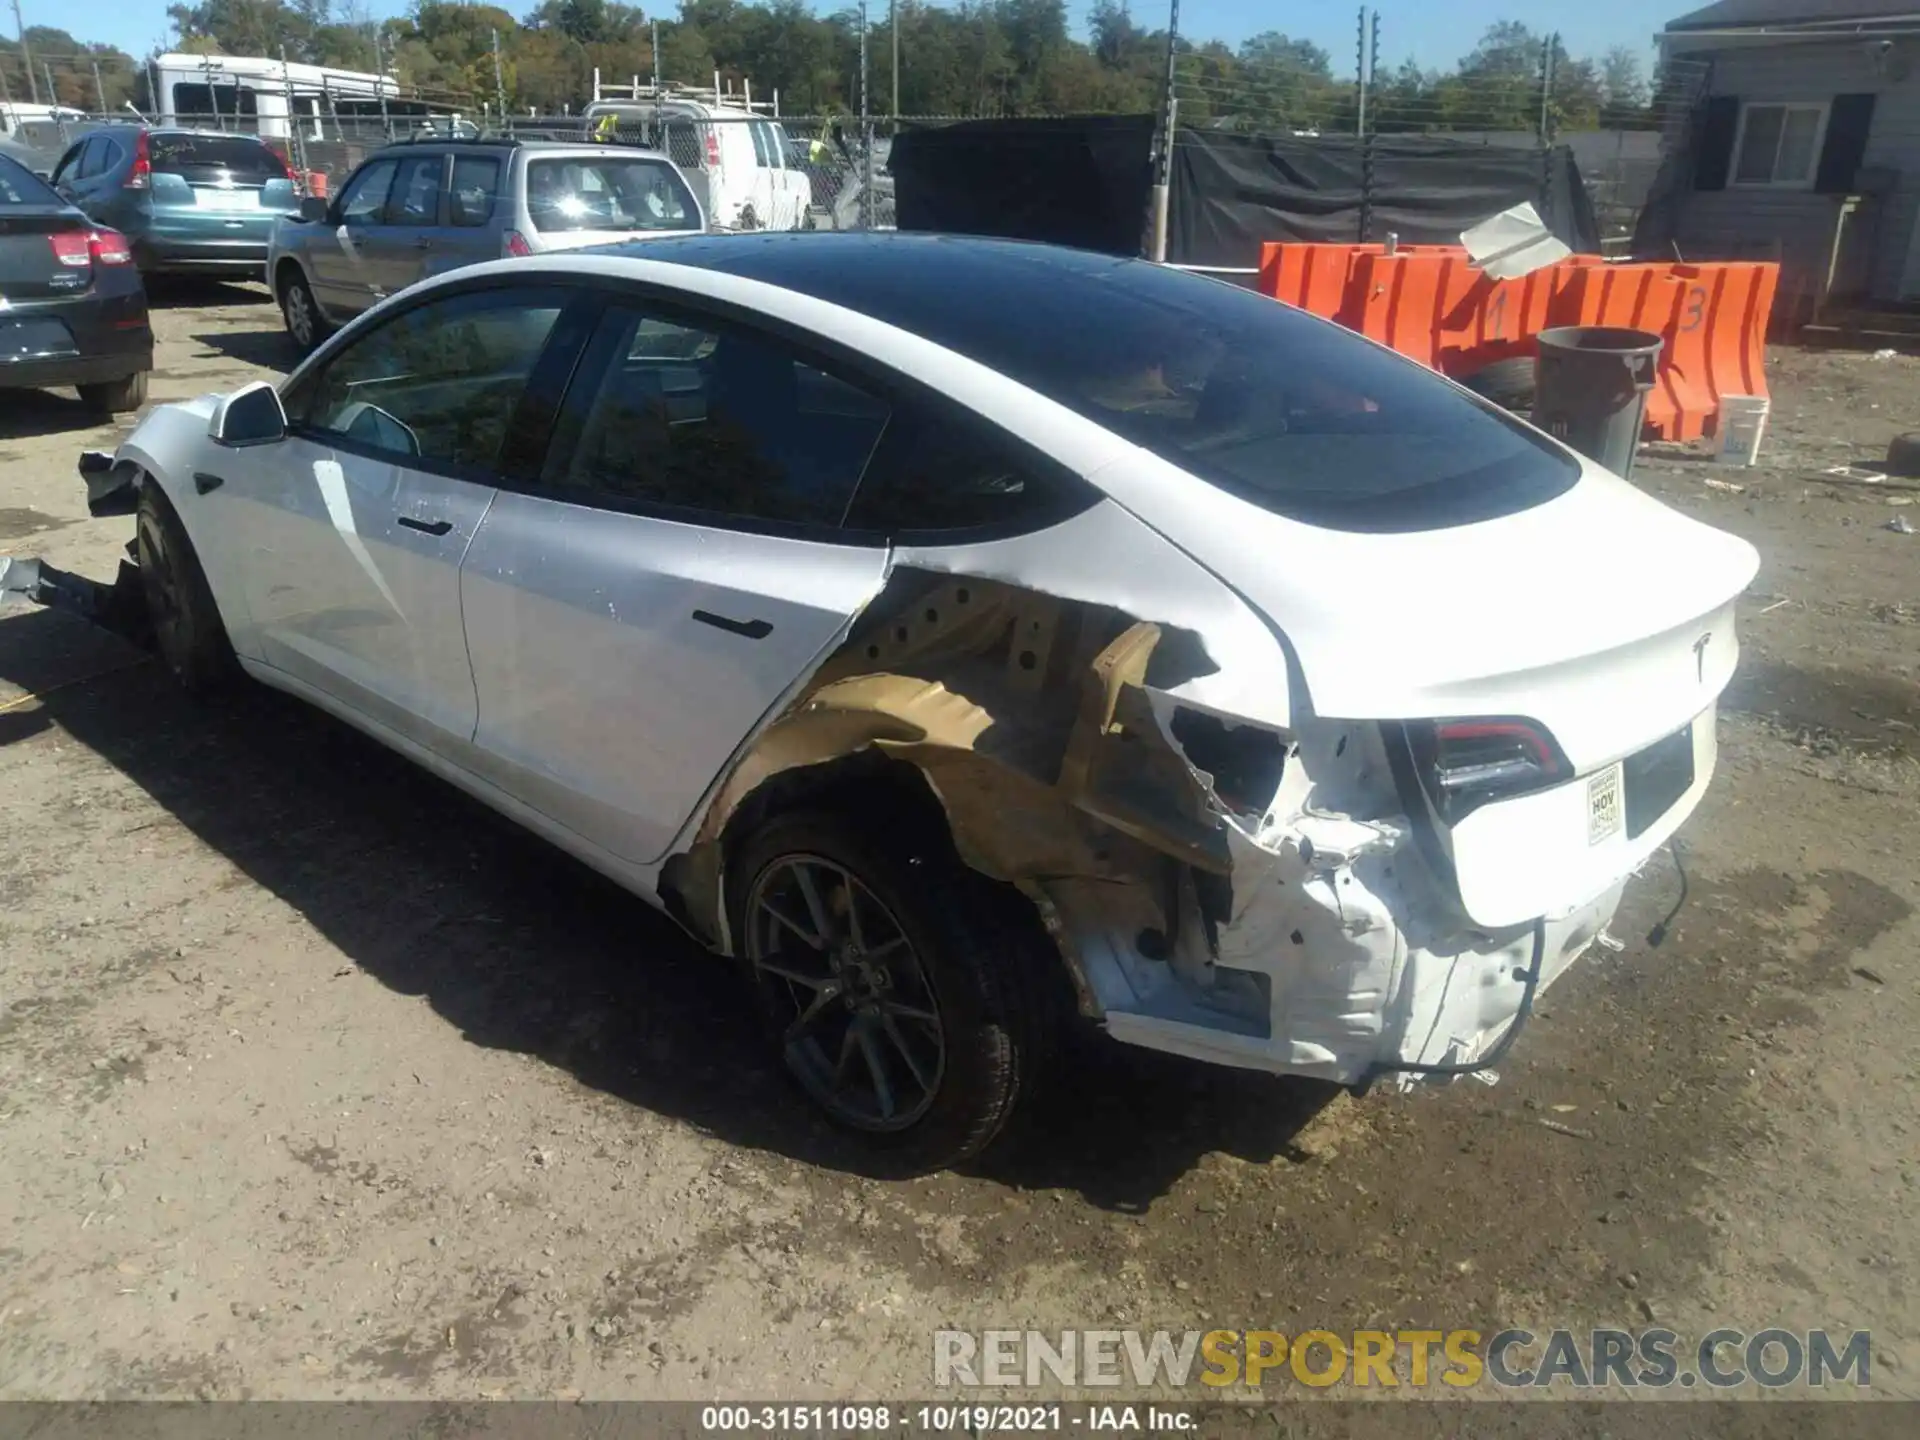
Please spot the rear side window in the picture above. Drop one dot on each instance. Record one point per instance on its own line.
(476, 184)
(624, 194)
(938, 471)
(213, 157)
(20, 186)
(725, 422)
(439, 382)
(416, 191)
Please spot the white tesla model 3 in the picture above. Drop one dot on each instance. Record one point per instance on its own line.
(937, 624)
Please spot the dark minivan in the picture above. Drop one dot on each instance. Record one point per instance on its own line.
(190, 201)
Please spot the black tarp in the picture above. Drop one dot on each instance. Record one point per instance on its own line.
(1079, 181)
(1231, 192)
(1085, 181)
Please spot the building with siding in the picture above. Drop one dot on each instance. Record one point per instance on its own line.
(1803, 146)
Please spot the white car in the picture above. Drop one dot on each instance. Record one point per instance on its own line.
(928, 622)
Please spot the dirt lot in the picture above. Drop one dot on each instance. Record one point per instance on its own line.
(316, 1080)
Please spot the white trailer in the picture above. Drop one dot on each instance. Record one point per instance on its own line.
(270, 97)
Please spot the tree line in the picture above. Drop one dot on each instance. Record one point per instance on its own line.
(969, 58)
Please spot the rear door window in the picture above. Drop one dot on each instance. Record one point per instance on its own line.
(211, 158)
(416, 191)
(476, 184)
(720, 421)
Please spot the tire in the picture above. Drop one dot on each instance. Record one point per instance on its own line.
(116, 397)
(942, 945)
(1507, 383)
(300, 312)
(187, 629)
(1903, 456)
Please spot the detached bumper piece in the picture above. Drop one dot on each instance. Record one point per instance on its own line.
(120, 607)
(110, 487)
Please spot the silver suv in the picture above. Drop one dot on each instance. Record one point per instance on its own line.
(426, 206)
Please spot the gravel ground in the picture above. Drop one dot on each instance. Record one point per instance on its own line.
(317, 1080)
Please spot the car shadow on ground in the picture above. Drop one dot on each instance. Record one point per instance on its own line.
(526, 950)
(267, 349)
(27, 414)
(185, 292)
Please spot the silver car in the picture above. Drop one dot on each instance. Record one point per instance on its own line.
(426, 206)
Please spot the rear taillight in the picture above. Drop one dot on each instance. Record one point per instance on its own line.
(72, 248)
(1463, 764)
(78, 249)
(713, 148)
(514, 243)
(109, 247)
(141, 176)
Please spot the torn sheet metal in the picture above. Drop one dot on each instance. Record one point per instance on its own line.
(1235, 891)
(1513, 243)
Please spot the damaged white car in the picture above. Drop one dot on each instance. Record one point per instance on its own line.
(937, 624)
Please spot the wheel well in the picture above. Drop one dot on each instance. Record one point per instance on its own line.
(282, 273)
(867, 785)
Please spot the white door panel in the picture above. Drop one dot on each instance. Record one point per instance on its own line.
(604, 702)
(353, 581)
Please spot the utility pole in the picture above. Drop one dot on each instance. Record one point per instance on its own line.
(26, 55)
(500, 83)
(1163, 162)
(1360, 73)
(866, 130)
(659, 140)
(1547, 48)
(893, 24)
(380, 84)
(99, 88)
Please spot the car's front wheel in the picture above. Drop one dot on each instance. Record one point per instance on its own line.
(894, 983)
(187, 628)
(306, 326)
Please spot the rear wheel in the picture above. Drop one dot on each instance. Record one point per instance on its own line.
(116, 397)
(893, 982)
(306, 327)
(187, 628)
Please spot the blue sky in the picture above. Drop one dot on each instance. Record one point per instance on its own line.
(1432, 32)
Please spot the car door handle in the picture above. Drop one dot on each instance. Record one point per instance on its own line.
(203, 482)
(752, 629)
(427, 527)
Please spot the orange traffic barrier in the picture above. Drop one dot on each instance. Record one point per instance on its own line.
(317, 184)
(1434, 305)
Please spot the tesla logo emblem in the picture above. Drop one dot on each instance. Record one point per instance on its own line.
(1700, 657)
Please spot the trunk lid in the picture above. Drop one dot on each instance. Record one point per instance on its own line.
(1584, 613)
(1601, 615)
(29, 268)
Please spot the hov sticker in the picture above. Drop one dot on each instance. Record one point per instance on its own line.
(1605, 812)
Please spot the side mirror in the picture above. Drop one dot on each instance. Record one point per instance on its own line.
(313, 209)
(251, 415)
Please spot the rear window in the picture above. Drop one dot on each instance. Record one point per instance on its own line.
(620, 193)
(20, 186)
(208, 157)
(1297, 415)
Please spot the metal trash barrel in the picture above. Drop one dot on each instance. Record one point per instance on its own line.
(1591, 390)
